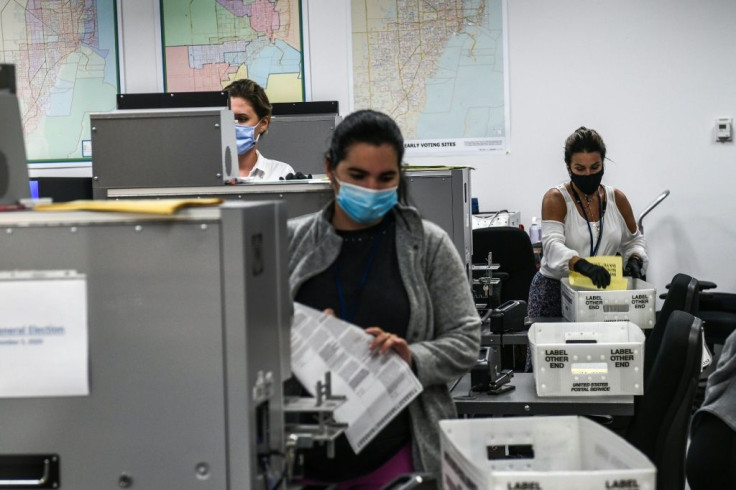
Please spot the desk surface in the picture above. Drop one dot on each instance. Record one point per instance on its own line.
(524, 401)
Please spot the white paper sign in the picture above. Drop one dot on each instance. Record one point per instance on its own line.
(43, 334)
(377, 386)
(706, 358)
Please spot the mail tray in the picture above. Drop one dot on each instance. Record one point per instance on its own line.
(550, 453)
(587, 359)
(636, 304)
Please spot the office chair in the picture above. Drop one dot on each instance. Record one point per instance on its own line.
(681, 295)
(661, 421)
(718, 312)
(511, 248)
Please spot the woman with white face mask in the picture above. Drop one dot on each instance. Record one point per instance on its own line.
(375, 263)
(252, 111)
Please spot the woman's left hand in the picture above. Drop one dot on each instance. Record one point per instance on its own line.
(384, 341)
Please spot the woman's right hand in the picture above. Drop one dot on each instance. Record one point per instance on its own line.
(384, 341)
(599, 275)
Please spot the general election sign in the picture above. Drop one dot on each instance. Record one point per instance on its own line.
(43, 334)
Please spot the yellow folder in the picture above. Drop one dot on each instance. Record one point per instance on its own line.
(613, 264)
(149, 206)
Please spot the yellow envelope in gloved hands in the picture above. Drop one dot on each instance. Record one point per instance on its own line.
(613, 264)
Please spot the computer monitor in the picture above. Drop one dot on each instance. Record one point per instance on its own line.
(13, 165)
(62, 189)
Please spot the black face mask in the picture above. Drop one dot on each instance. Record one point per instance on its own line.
(587, 183)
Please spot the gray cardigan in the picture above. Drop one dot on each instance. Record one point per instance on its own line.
(720, 392)
(444, 327)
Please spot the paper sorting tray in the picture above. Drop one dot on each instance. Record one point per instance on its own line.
(550, 453)
(587, 358)
(635, 304)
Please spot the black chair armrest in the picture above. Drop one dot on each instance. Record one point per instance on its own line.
(703, 285)
(725, 302)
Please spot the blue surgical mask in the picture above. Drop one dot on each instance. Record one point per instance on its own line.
(244, 137)
(364, 205)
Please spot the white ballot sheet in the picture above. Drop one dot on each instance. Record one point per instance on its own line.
(43, 334)
(377, 386)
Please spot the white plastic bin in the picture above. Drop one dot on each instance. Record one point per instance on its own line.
(587, 358)
(636, 304)
(559, 453)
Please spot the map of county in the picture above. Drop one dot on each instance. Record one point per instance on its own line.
(66, 66)
(210, 43)
(437, 67)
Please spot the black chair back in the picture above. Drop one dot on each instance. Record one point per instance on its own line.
(512, 249)
(661, 421)
(718, 312)
(682, 295)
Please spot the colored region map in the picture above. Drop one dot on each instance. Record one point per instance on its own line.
(437, 67)
(210, 43)
(65, 58)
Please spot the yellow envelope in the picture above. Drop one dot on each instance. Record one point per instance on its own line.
(613, 264)
(149, 206)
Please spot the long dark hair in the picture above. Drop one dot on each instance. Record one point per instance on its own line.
(584, 140)
(372, 127)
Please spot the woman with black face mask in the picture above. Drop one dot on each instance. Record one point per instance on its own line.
(582, 218)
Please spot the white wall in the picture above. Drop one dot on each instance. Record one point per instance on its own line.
(651, 76)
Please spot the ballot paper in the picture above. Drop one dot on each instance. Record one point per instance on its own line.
(377, 386)
(43, 334)
(613, 264)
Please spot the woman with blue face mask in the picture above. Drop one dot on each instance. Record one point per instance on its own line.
(252, 112)
(375, 263)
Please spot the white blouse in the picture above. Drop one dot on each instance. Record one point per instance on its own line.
(563, 241)
(267, 169)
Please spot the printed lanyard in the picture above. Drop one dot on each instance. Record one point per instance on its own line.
(344, 313)
(593, 251)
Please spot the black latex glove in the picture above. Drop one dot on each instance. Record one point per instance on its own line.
(633, 268)
(298, 175)
(599, 275)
